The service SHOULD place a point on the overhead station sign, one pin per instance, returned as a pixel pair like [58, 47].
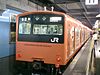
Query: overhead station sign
[91, 2]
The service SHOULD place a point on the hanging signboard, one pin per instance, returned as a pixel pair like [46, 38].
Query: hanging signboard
[91, 2]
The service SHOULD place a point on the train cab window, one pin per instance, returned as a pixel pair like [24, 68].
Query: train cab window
[55, 29]
[48, 29]
[25, 25]
[41, 28]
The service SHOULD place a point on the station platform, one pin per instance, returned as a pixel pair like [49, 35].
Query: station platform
[80, 65]
[87, 61]
[97, 57]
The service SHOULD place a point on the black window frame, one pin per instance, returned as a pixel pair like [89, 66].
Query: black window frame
[40, 37]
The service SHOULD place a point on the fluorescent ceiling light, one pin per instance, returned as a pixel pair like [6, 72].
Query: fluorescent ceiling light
[98, 15]
[91, 2]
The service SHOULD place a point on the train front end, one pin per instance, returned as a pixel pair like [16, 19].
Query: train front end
[40, 38]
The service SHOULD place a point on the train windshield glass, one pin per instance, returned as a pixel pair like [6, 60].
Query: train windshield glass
[41, 27]
[47, 24]
[48, 29]
[25, 25]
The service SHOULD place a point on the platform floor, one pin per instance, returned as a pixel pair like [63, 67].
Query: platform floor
[97, 53]
[6, 63]
[79, 63]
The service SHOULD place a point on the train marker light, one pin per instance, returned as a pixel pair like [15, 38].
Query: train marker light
[19, 55]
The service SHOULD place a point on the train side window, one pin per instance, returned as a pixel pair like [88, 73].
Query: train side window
[77, 36]
[25, 25]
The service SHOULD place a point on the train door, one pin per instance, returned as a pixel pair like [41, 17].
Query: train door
[79, 32]
[68, 35]
[77, 37]
[83, 35]
[80, 36]
[72, 37]
[74, 40]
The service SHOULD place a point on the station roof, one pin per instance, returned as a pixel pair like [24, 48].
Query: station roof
[78, 9]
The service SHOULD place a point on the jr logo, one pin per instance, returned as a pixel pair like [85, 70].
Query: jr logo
[55, 39]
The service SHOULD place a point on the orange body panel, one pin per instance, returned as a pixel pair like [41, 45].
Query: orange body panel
[39, 51]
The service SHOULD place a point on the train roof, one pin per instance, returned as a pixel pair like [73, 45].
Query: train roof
[77, 22]
[51, 12]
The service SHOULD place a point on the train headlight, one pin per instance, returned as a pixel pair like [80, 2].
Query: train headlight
[58, 59]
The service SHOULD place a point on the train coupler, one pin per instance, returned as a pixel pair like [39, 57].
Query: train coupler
[37, 65]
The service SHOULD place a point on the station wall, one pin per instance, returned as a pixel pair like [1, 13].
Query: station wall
[6, 48]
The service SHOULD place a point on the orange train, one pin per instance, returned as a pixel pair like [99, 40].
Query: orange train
[48, 40]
